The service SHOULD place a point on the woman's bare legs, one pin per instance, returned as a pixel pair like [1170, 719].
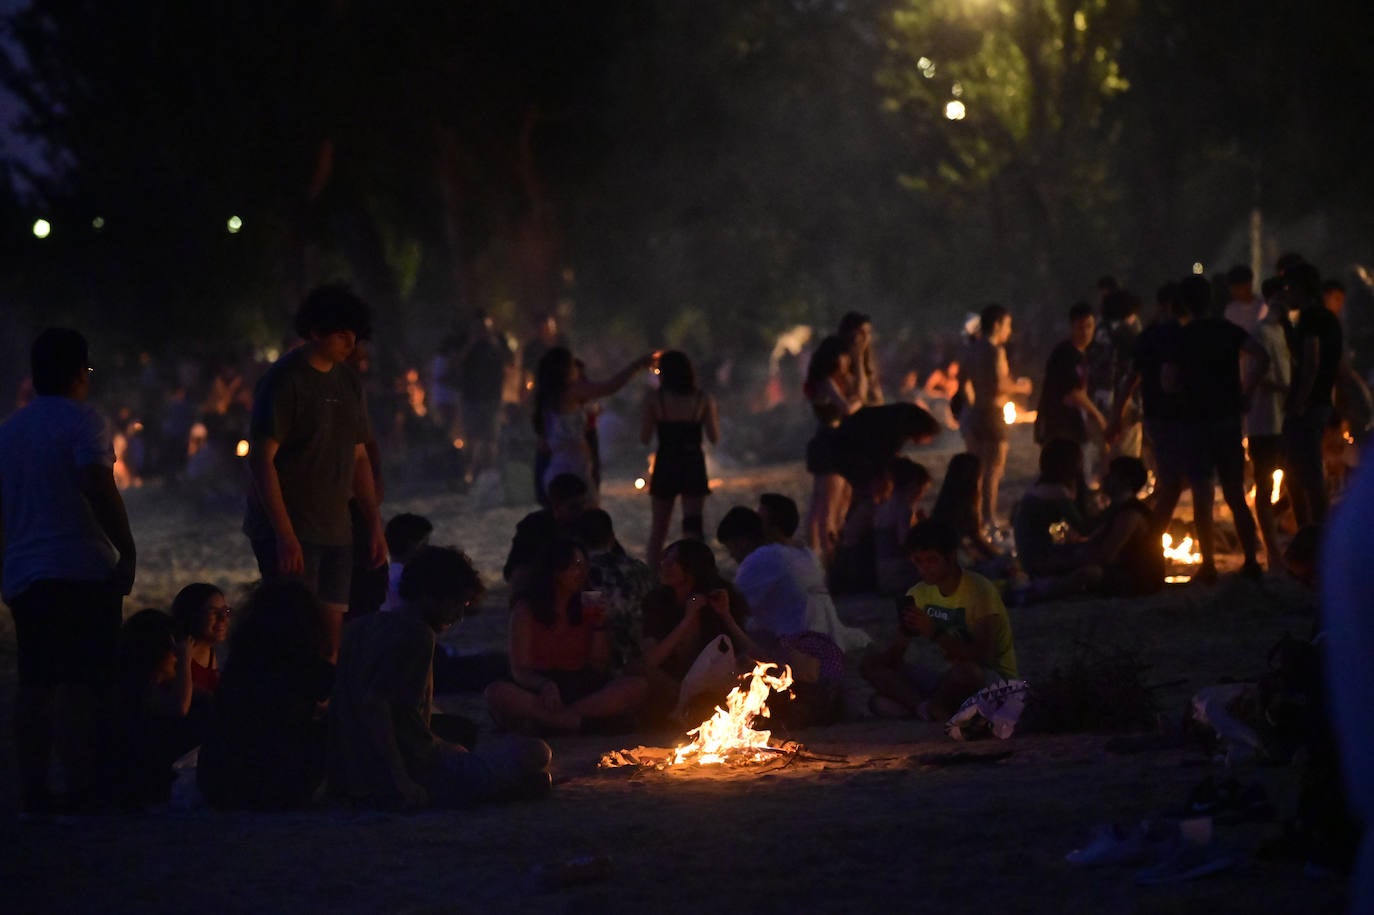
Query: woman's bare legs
[692, 525]
[513, 707]
[658, 529]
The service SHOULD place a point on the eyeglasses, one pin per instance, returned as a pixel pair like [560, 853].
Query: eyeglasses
[220, 613]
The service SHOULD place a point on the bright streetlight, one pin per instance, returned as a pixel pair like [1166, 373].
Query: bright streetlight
[234, 225]
[41, 228]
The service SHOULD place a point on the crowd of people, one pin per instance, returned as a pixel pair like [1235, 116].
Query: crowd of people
[331, 665]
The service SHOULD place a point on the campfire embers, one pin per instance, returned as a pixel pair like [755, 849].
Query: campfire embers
[728, 738]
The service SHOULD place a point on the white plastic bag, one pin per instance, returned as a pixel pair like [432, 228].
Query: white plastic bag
[712, 672]
[994, 709]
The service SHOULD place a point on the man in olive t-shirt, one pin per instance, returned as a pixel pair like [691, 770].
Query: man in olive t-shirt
[308, 456]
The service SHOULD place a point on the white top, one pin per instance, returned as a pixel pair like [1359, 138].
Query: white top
[1266, 409]
[785, 587]
[566, 436]
[1247, 315]
[50, 529]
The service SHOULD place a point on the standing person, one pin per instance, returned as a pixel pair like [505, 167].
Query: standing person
[309, 436]
[1161, 410]
[826, 377]
[69, 559]
[561, 396]
[482, 375]
[985, 430]
[680, 414]
[1117, 339]
[546, 337]
[1245, 309]
[1264, 424]
[1065, 407]
[1206, 373]
[1317, 345]
[856, 335]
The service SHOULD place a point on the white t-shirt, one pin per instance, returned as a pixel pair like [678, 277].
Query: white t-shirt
[1247, 315]
[777, 599]
[785, 587]
[1266, 408]
[50, 530]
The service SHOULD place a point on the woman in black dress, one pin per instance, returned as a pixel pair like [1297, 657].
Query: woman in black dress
[680, 414]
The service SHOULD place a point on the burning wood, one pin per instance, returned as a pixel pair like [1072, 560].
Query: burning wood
[727, 737]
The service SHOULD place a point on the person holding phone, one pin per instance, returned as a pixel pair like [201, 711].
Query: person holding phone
[959, 611]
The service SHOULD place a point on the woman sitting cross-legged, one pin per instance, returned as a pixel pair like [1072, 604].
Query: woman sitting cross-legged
[560, 678]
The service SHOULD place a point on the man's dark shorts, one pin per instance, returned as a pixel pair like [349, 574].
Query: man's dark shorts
[1214, 447]
[1171, 449]
[328, 569]
[66, 632]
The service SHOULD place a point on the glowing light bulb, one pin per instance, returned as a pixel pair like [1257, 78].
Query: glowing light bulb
[41, 228]
[234, 224]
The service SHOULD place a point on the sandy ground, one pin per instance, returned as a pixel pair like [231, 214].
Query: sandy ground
[883, 830]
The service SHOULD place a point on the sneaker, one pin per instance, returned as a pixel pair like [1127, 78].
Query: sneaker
[1186, 861]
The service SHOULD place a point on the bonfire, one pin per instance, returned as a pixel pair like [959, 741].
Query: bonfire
[728, 738]
[728, 735]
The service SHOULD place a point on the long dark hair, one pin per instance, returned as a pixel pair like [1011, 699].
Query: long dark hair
[188, 606]
[550, 382]
[538, 591]
[957, 503]
[277, 630]
[823, 363]
[849, 326]
[676, 374]
[699, 564]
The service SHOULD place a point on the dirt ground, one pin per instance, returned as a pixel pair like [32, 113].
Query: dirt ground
[886, 829]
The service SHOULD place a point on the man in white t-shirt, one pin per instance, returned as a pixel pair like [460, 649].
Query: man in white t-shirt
[1246, 310]
[69, 559]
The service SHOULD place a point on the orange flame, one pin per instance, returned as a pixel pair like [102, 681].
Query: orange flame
[1183, 553]
[727, 734]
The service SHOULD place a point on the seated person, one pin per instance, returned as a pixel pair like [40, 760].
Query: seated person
[683, 617]
[892, 522]
[201, 615]
[962, 614]
[1126, 545]
[537, 531]
[1055, 569]
[622, 580]
[780, 522]
[384, 749]
[560, 654]
[153, 708]
[406, 534]
[959, 504]
[778, 597]
[265, 744]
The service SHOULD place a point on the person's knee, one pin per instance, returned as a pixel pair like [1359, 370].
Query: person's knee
[532, 754]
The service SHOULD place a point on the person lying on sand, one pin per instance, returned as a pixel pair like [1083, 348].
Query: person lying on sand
[384, 750]
[958, 610]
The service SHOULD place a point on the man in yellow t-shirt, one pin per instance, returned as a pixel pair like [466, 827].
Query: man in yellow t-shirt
[962, 613]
